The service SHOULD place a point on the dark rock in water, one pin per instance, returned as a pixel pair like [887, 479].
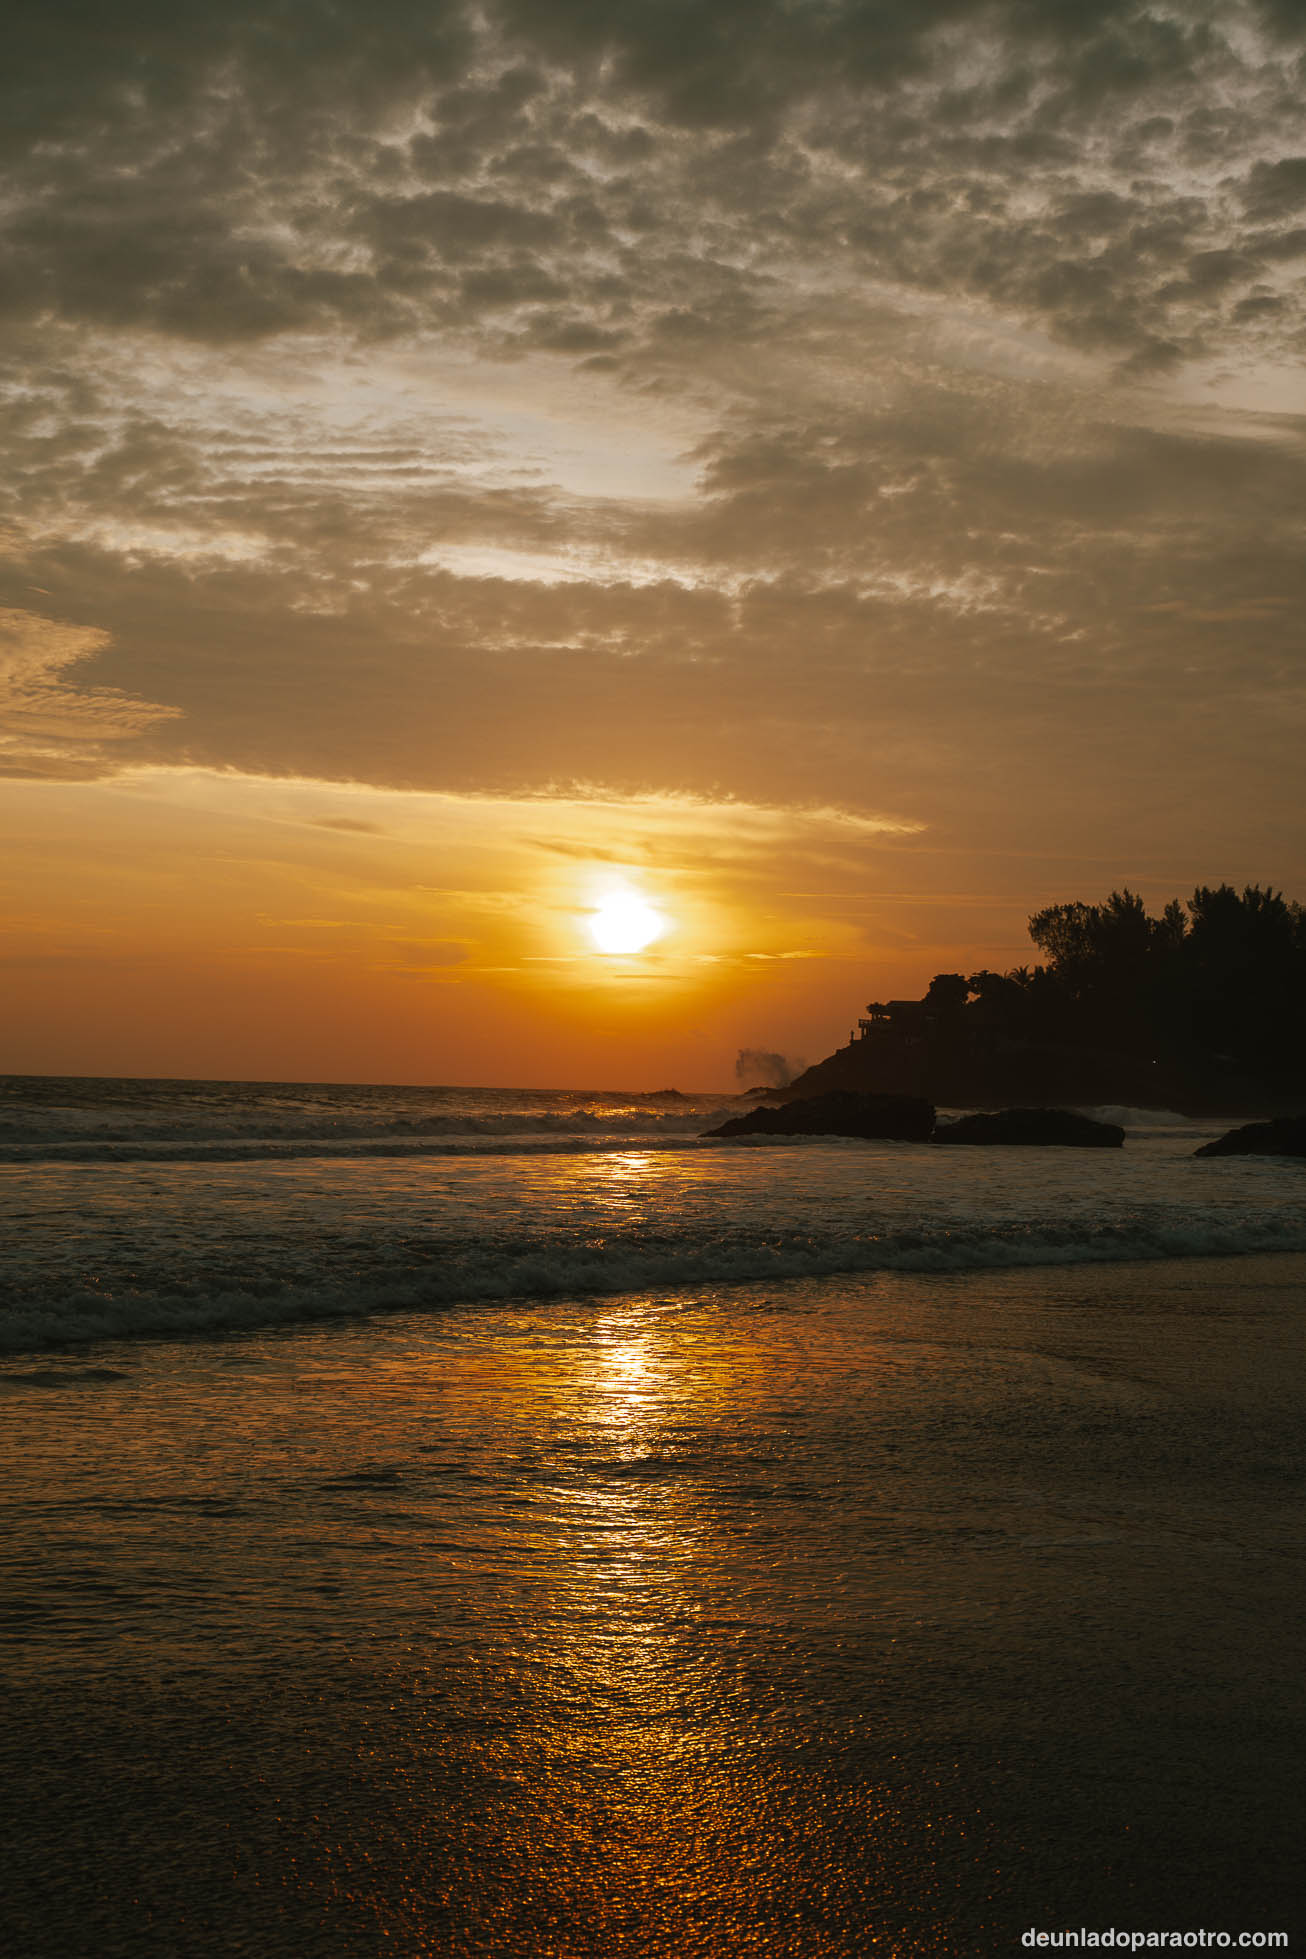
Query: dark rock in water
[1060, 1127]
[897, 1118]
[1285, 1136]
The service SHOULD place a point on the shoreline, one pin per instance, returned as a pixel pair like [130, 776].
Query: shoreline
[234, 1318]
[1280, 1267]
[797, 1621]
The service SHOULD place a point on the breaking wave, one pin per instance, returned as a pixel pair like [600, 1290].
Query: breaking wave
[75, 1143]
[471, 1274]
[573, 1131]
[436, 1136]
[134, 1209]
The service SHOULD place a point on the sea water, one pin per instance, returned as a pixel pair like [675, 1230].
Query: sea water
[131, 1208]
[449, 1522]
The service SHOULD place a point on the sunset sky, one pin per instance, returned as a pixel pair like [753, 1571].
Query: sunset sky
[833, 471]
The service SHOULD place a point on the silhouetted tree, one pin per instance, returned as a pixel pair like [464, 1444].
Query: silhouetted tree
[1225, 978]
[947, 994]
[1246, 976]
[1005, 1000]
[1105, 957]
[1214, 991]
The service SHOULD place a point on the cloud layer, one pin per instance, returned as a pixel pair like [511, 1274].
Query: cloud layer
[877, 403]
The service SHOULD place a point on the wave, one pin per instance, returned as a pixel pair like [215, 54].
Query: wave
[279, 1152]
[555, 1270]
[406, 1136]
[1156, 1121]
[247, 1128]
[576, 1134]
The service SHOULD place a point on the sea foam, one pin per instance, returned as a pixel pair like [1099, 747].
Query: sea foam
[575, 1270]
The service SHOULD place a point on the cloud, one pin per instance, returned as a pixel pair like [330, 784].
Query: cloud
[767, 402]
[422, 955]
[49, 728]
[644, 178]
[1278, 189]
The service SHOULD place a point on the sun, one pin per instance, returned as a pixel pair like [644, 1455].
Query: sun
[625, 922]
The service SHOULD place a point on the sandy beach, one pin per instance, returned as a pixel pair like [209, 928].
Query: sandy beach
[901, 1613]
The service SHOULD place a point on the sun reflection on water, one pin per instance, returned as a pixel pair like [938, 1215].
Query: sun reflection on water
[670, 1805]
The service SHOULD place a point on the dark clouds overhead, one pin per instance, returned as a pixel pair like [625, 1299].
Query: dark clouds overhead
[570, 173]
[826, 393]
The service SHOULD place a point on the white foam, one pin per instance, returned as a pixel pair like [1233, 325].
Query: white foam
[1156, 1121]
[575, 1270]
[424, 1135]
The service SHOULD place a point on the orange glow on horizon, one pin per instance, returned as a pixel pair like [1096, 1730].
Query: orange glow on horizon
[194, 923]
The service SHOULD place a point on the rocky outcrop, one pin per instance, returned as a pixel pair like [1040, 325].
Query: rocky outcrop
[1059, 1128]
[895, 1118]
[1285, 1136]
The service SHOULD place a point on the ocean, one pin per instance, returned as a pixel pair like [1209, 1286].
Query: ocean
[146, 1207]
[449, 1521]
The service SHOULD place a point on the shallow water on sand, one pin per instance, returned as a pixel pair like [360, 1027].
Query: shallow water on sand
[898, 1613]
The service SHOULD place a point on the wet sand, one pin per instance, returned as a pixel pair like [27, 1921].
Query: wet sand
[898, 1614]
